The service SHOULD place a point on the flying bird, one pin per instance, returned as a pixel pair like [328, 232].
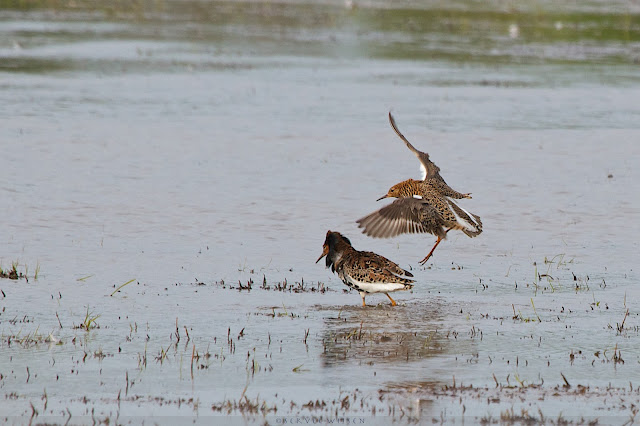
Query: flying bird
[435, 213]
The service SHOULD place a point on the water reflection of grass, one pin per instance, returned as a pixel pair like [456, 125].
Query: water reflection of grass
[461, 32]
[32, 65]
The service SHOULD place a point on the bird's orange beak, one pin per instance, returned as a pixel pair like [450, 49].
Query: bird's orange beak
[383, 197]
[325, 251]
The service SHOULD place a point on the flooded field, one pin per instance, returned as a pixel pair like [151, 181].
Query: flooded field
[170, 170]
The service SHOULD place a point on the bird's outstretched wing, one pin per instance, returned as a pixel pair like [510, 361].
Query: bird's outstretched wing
[403, 216]
[429, 169]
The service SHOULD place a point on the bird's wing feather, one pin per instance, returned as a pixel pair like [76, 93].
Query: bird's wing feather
[428, 168]
[405, 215]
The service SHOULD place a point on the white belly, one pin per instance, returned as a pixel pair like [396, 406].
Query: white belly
[375, 287]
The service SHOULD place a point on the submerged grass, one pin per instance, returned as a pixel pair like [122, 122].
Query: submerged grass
[28, 339]
[556, 279]
[282, 286]
[13, 273]
[89, 321]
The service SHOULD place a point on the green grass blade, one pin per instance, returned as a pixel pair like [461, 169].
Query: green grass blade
[118, 289]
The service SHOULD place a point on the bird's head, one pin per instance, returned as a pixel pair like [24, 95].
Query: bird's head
[398, 190]
[334, 246]
[325, 248]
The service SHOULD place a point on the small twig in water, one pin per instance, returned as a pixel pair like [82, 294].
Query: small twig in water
[620, 327]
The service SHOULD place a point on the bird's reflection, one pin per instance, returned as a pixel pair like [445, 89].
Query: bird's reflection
[383, 333]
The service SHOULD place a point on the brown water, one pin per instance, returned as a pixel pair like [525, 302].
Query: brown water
[193, 146]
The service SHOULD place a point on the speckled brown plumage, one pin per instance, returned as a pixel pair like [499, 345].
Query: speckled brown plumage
[364, 271]
[436, 213]
[449, 214]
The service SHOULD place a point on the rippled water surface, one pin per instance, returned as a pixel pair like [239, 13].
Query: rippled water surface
[203, 149]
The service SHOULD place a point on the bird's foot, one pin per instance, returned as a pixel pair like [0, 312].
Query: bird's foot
[393, 302]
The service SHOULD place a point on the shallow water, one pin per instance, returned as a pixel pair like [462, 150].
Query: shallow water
[192, 147]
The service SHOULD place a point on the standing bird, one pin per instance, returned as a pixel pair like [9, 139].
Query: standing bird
[434, 212]
[363, 271]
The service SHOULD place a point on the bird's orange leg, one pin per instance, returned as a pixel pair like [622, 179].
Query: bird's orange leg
[362, 294]
[393, 302]
[423, 261]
